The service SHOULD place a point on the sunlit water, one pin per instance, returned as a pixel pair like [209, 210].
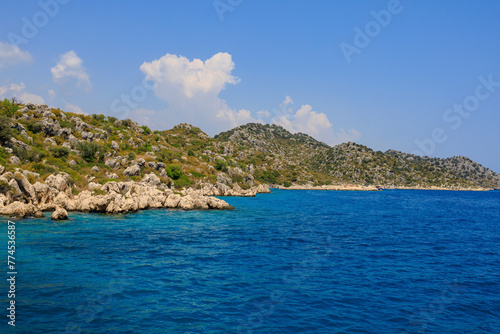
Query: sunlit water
[285, 262]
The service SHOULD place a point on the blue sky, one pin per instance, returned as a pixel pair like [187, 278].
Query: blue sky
[415, 76]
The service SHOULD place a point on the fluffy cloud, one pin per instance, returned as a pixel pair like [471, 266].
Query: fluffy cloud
[74, 109]
[18, 90]
[70, 69]
[33, 98]
[12, 55]
[190, 78]
[315, 124]
[191, 88]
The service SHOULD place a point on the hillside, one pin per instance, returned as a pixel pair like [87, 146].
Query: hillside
[99, 155]
[300, 158]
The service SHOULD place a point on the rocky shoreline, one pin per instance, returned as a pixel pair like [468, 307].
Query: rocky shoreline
[353, 187]
[31, 200]
[330, 187]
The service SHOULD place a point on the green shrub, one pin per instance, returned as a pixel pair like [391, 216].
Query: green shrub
[6, 132]
[127, 123]
[43, 169]
[59, 152]
[33, 155]
[131, 156]
[88, 151]
[287, 184]
[66, 124]
[99, 118]
[34, 127]
[190, 152]
[198, 175]
[221, 165]
[4, 187]
[8, 107]
[146, 147]
[147, 130]
[174, 172]
[112, 119]
[182, 181]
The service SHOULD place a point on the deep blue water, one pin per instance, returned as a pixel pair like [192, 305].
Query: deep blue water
[286, 262]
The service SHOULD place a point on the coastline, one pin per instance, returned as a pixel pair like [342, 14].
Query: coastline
[374, 188]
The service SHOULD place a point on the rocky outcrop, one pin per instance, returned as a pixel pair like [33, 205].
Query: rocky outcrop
[132, 171]
[59, 214]
[113, 163]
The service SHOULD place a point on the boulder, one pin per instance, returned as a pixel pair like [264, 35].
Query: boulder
[87, 135]
[113, 163]
[151, 180]
[59, 181]
[114, 145]
[50, 126]
[59, 214]
[14, 160]
[132, 171]
[25, 187]
[64, 132]
[18, 209]
[50, 141]
[95, 169]
[39, 214]
[110, 175]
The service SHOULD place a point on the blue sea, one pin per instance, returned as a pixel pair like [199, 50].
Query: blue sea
[392, 261]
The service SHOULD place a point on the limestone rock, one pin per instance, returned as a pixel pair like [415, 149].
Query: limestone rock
[59, 214]
[151, 179]
[132, 171]
[113, 163]
[59, 181]
[114, 145]
[14, 160]
[95, 169]
[19, 210]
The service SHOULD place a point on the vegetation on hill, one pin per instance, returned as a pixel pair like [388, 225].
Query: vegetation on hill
[98, 148]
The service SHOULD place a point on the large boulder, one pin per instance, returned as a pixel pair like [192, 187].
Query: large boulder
[59, 214]
[20, 210]
[151, 180]
[50, 126]
[25, 187]
[59, 181]
[14, 160]
[132, 171]
[113, 163]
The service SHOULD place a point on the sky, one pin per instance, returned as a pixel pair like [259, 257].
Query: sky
[417, 76]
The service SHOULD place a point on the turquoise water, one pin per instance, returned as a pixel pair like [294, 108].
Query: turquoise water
[285, 262]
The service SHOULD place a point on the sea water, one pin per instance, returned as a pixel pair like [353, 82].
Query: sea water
[287, 262]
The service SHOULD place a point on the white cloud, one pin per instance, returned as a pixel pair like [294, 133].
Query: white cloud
[263, 114]
[315, 124]
[18, 90]
[191, 88]
[33, 98]
[70, 69]
[190, 77]
[12, 55]
[288, 100]
[74, 109]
